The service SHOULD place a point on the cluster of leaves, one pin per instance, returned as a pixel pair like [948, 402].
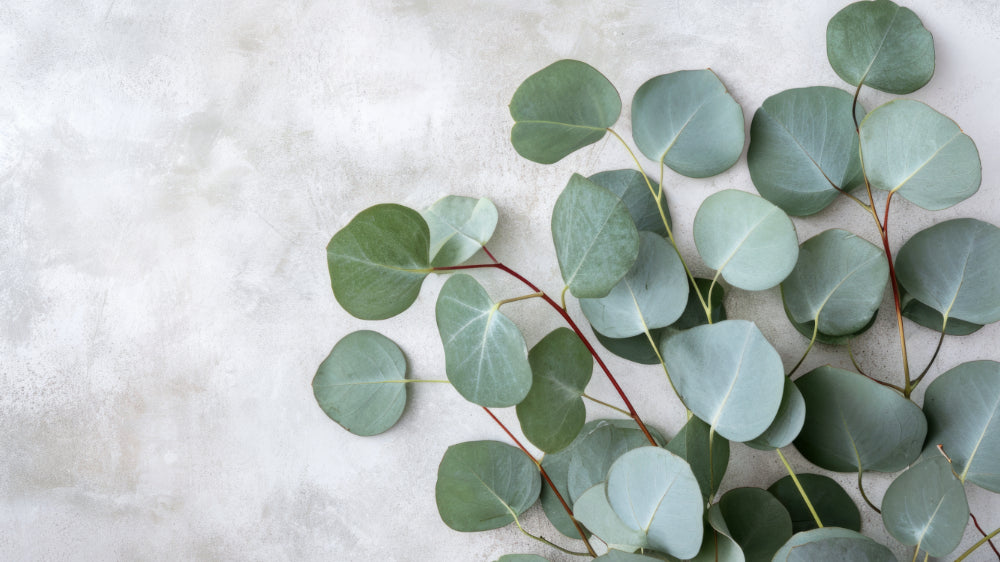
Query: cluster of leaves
[646, 497]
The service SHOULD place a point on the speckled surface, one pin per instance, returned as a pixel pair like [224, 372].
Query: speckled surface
[169, 179]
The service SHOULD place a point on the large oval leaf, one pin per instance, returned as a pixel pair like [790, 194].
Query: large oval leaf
[379, 260]
[361, 384]
[459, 227]
[803, 147]
[594, 511]
[560, 109]
[963, 416]
[909, 148]
[728, 375]
[853, 423]
[746, 239]
[787, 423]
[926, 507]
[707, 455]
[486, 358]
[951, 267]
[833, 505]
[630, 186]
[756, 521]
[881, 45]
[832, 543]
[484, 485]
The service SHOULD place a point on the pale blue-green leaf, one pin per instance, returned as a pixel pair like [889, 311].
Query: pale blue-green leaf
[619, 556]
[631, 187]
[832, 544]
[787, 424]
[807, 329]
[595, 513]
[926, 507]
[756, 521]
[833, 505]
[692, 444]
[717, 545]
[930, 318]
[459, 227]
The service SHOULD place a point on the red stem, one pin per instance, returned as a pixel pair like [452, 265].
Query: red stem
[976, 523]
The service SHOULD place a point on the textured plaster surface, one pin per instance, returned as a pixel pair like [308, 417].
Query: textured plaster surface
[170, 174]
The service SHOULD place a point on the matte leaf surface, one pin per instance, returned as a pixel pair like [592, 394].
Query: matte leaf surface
[619, 556]
[717, 545]
[595, 513]
[930, 318]
[787, 424]
[631, 188]
[756, 521]
[833, 505]
[832, 543]
[459, 227]
[692, 444]
[926, 507]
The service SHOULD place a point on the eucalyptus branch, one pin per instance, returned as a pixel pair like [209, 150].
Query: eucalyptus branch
[978, 544]
[983, 533]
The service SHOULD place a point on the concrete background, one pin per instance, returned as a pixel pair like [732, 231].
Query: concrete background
[171, 174]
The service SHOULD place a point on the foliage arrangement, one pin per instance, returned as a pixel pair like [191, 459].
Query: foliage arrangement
[643, 496]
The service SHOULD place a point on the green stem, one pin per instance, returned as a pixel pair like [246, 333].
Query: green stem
[937, 349]
[864, 496]
[603, 403]
[545, 540]
[798, 485]
[808, 349]
[916, 552]
[981, 542]
[537, 295]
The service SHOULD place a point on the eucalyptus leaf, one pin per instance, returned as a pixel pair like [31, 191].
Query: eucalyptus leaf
[619, 556]
[756, 521]
[832, 543]
[718, 546]
[361, 384]
[833, 505]
[926, 507]
[486, 358]
[746, 239]
[560, 109]
[379, 260]
[459, 227]
[930, 318]
[807, 329]
[787, 424]
[708, 456]
[630, 186]
[636, 348]
[595, 513]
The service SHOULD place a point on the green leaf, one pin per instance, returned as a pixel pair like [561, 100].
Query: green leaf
[594, 511]
[787, 424]
[853, 423]
[963, 416]
[688, 121]
[926, 507]
[728, 375]
[803, 147]
[692, 444]
[595, 238]
[716, 544]
[619, 556]
[909, 148]
[833, 505]
[636, 348]
[807, 328]
[552, 414]
[560, 109]
[951, 267]
[484, 485]
[459, 227]
[486, 358]
[630, 186]
[838, 282]
[652, 490]
[881, 45]
[653, 293]
[832, 543]
[756, 521]
[746, 239]
[360, 384]
[930, 318]
[379, 260]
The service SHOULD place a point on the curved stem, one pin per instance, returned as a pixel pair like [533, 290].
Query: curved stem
[854, 361]
[544, 540]
[864, 496]
[977, 545]
[798, 485]
[520, 298]
[982, 532]
[937, 349]
[808, 349]
[603, 403]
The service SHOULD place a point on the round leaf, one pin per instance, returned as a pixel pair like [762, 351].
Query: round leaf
[930, 318]
[833, 505]
[717, 546]
[881, 45]
[630, 186]
[808, 330]
[688, 121]
[486, 358]
[636, 348]
[484, 485]
[360, 385]
[787, 424]
[560, 109]
[459, 227]
[594, 512]
[832, 543]
[379, 260]
[756, 521]
[746, 239]
[692, 444]
[926, 506]
[728, 375]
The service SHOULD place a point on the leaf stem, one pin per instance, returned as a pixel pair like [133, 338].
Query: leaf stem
[977, 545]
[603, 403]
[798, 485]
[520, 298]
[916, 552]
[937, 349]
[982, 532]
[542, 539]
[812, 341]
[864, 496]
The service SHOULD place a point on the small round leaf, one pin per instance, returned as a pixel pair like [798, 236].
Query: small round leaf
[832, 543]
[594, 511]
[459, 227]
[926, 507]
[833, 505]
[630, 186]
[756, 521]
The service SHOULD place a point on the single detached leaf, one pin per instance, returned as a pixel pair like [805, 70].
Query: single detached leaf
[459, 227]
[746, 239]
[838, 283]
[756, 521]
[560, 109]
[360, 385]
[486, 358]
[951, 267]
[595, 513]
[379, 260]
[552, 414]
[909, 148]
[963, 416]
[692, 443]
[728, 375]
[930, 318]
[926, 507]
[853, 423]
[595, 238]
[881, 45]
[803, 148]
[630, 186]
[688, 121]
[787, 424]
[832, 543]
[833, 505]
[484, 485]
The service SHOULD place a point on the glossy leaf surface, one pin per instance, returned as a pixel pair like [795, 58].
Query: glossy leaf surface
[787, 423]
[833, 505]
[631, 188]
[459, 227]
[692, 444]
[756, 521]
[832, 543]
[926, 507]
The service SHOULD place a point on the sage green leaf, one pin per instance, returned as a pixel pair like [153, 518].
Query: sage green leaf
[853, 423]
[595, 513]
[808, 328]
[522, 558]
[484, 485]
[653, 293]
[930, 318]
[963, 416]
[653, 491]
[909, 148]
[459, 227]
[787, 424]
[619, 556]
[728, 375]
[756, 521]
[486, 358]
[833, 505]
[552, 414]
[746, 239]
[360, 385]
[692, 444]
[595, 238]
[838, 282]
[803, 148]
[951, 267]
[630, 186]
[636, 348]
[560, 109]
[379, 260]
[926, 507]
[688, 121]
[717, 545]
[832, 543]
[881, 45]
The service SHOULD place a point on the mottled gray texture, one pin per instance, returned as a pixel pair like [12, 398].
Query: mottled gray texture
[170, 175]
